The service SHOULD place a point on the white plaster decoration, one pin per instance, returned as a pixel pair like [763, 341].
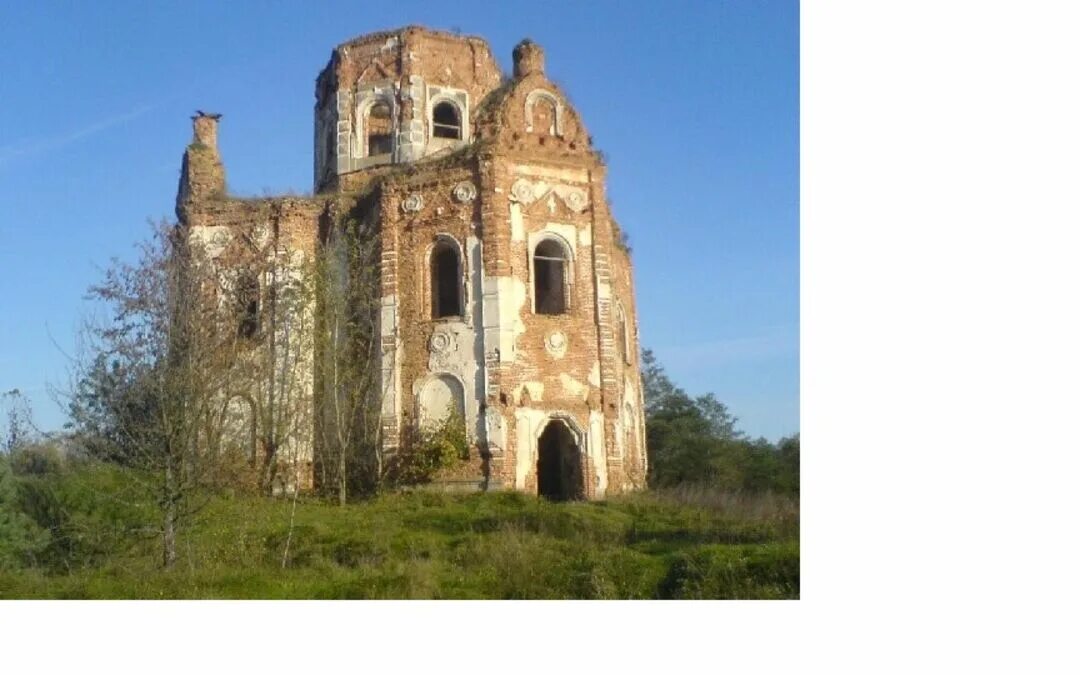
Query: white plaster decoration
[563, 174]
[464, 192]
[530, 102]
[596, 453]
[555, 344]
[563, 233]
[442, 343]
[575, 199]
[496, 431]
[581, 440]
[210, 240]
[444, 347]
[411, 135]
[522, 191]
[366, 97]
[527, 192]
[459, 98]
[389, 343]
[439, 395]
[412, 203]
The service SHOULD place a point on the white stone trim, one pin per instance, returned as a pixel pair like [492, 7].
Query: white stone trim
[436, 94]
[366, 98]
[530, 102]
[463, 278]
[553, 234]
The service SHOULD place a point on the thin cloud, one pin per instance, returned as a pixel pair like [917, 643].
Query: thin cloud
[35, 146]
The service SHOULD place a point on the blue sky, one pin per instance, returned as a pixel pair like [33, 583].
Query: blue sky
[696, 106]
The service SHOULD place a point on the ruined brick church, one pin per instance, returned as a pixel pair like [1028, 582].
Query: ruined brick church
[505, 288]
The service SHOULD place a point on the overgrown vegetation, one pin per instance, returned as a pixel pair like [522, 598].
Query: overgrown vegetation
[430, 450]
[153, 493]
[666, 544]
[349, 401]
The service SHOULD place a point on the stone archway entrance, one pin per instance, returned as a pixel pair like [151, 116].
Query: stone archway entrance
[558, 468]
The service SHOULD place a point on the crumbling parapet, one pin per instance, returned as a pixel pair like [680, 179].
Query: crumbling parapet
[528, 58]
[202, 175]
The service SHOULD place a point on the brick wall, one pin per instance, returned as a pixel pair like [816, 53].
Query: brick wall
[526, 174]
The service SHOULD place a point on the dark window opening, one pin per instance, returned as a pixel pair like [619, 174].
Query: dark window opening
[446, 122]
[379, 132]
[247, 305]
[549, 267]
[558, 467]
[445, 281]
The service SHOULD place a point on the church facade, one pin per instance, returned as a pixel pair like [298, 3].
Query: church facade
[504, 288]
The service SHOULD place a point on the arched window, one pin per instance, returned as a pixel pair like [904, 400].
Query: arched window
[445, 280]
[446, 121]
[247, 305]
[543, 113]
[378, 127]
[550, 277]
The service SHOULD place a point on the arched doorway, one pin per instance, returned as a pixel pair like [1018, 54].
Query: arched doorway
[558, 467]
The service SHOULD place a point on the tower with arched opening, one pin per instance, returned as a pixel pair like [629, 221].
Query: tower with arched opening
[504, 285]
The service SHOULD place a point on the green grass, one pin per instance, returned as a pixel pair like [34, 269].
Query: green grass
[435, 545]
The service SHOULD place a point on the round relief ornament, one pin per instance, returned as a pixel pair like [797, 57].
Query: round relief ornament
[522, 191]
[556, 343]
[465, 192]
[413, 203]
[575, 199]
[441, 343]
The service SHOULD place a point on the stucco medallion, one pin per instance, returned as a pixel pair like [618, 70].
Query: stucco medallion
[443, 348]
[575, 199]
[465, 192]
[413, 203]
[441, 343]
[555, 344]
[522, 190]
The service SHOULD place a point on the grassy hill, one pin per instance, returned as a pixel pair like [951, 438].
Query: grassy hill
[680, 544]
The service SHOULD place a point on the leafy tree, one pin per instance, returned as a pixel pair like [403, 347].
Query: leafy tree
[689, 440]
[347, 344]
[658, 387]
[788, 460]
[108, 398]
[695, 440]
[19, 421]
[149, 395]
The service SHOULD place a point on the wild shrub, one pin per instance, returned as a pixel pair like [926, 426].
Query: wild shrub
[37, 459]
[429, 450]
[88, 514]
[21, 540]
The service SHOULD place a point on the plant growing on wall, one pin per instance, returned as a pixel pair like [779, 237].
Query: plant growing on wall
[430, 449]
